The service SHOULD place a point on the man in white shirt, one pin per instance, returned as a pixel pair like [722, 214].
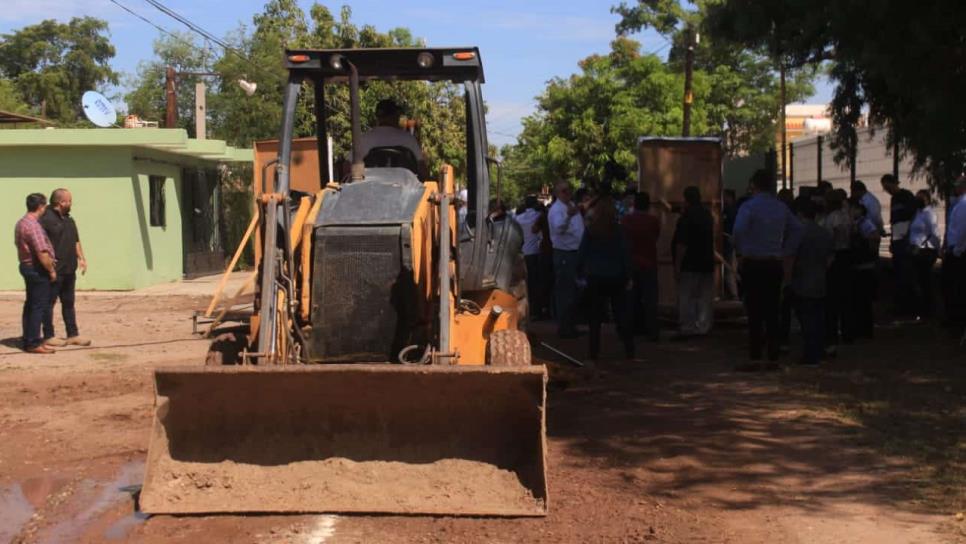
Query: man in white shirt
[532, 237]
[566, 231]
[954, 260]
[387, 133]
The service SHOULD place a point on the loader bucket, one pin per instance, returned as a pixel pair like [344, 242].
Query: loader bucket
[373, 438]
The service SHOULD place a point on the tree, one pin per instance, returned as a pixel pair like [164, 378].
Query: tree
[242, 119]
[586, 127]
[745, 93]
[147, 98]
[900, 60]
[590, 120]
[10, 99]
[52, 64]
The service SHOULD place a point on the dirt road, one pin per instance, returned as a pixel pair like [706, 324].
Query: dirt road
[676, 448]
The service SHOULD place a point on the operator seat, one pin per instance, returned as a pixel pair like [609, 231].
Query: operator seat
[392, 157]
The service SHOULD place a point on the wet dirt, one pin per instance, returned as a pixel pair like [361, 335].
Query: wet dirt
[15, 511]
[675, 448]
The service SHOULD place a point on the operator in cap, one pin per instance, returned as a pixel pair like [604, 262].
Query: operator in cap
[387, 133]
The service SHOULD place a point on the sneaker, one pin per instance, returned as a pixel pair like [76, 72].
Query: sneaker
[41, 349]
[78, 341]
[55, 342]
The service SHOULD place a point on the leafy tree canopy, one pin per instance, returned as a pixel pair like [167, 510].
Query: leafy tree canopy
[586, 126]
[52, 64]
[900, 60]
[240, 119]
[10, 99]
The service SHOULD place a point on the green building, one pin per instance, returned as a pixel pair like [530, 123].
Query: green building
[146, 201]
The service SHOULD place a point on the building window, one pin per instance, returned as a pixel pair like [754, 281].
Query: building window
[156, 186]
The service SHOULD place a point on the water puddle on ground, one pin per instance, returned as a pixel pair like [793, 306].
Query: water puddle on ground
[15, 511]
[122, 526]
[101, 497]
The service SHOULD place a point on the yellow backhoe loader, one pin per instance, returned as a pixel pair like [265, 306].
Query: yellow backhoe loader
[384, 369]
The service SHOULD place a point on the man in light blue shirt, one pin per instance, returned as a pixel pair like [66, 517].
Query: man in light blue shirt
[873, 208]
[766, 238]
[954, 260]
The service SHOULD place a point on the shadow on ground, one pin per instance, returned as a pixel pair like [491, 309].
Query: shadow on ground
[879, 425]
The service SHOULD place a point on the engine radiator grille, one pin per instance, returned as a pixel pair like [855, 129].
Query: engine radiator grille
[359, 294]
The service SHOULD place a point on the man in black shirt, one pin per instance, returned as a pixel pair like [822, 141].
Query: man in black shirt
[693, 249]
[902, 210]
[63, 235]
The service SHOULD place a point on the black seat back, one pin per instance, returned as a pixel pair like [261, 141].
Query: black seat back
[392, 157]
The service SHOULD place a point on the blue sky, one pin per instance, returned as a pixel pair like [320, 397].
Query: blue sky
[523, 43]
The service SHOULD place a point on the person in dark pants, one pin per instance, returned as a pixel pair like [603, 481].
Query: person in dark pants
[838, 305]
[692, 248]
[603, 260]
[902, 210]
[62, 232]
[729, 208]
[787, 197]
[642, 229]
[566, 230]
[864, 249]
[528, 220]
[37, 266]
[545, 262]
[924, 246]
[809, 278]
[954, 260]
[766, 239]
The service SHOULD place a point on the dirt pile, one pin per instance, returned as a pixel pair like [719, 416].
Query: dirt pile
[339, 485]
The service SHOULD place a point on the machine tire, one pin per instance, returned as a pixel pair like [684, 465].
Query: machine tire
[226, 348]
[508, 348]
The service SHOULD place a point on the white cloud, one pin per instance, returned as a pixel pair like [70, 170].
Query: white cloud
[557, 27]
[503, 120]
[554, 26]
[26, 12]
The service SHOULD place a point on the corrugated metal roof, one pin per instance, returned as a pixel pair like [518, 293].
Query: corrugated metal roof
[9, 117]
[162, 139]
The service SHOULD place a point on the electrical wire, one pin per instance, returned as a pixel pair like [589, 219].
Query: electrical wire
[152, 23]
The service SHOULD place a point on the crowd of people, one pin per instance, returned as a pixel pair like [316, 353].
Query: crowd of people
[50, 254]
[592, 255]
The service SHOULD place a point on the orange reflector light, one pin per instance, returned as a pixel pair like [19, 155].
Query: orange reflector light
[464, 55]
[298, 58]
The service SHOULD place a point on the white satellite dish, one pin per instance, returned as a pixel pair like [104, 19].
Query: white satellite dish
[98, 109]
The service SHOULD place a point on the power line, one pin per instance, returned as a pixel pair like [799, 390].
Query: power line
[205, 34]
[193, 27]
[152, 23]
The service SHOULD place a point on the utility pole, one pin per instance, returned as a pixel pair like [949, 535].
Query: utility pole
[171, 98]
[688, 69]
[201, 107]
[781, 71]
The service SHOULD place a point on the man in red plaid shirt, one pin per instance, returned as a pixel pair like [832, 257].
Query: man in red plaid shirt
[37, 261]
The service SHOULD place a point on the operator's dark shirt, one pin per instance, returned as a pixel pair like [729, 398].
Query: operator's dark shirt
[63, 235]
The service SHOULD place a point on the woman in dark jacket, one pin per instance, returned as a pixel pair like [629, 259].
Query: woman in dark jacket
[603, 260]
